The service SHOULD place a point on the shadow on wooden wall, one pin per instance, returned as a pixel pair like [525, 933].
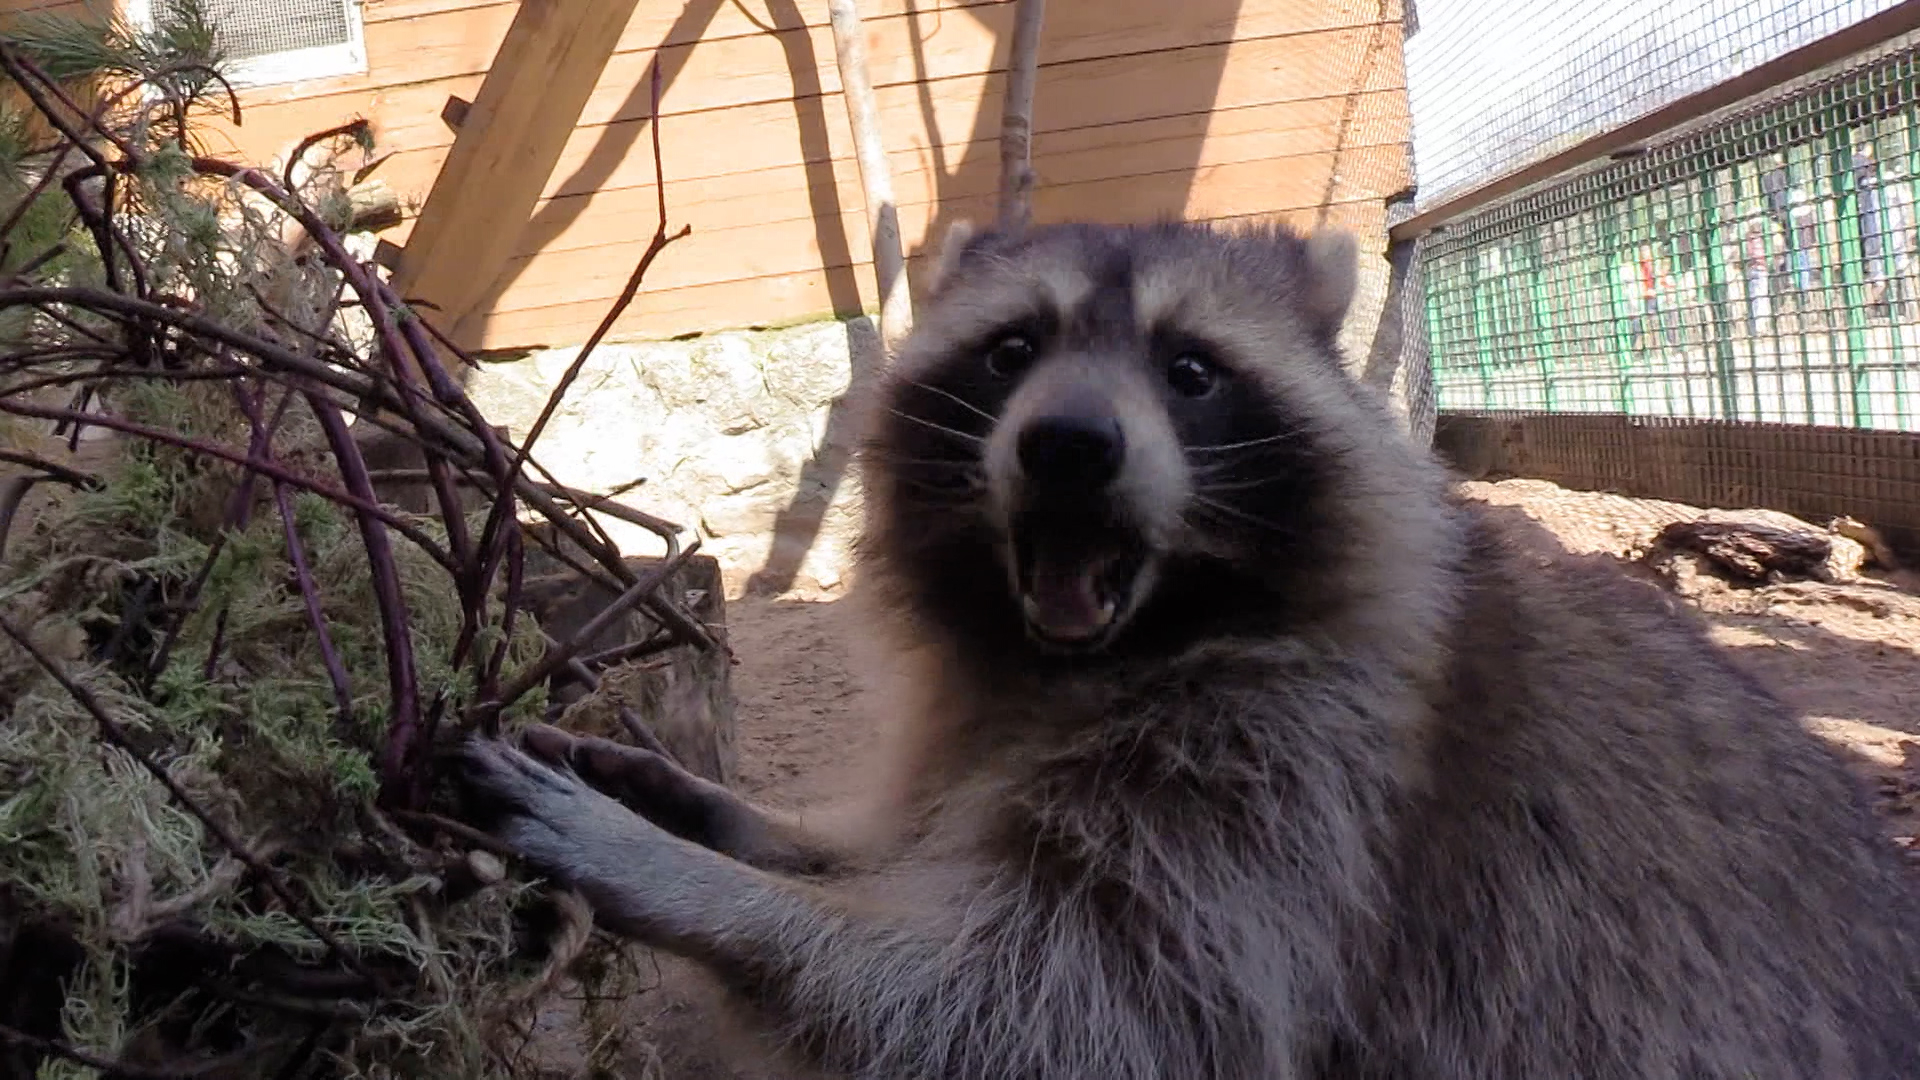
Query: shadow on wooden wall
[957, 170]
[962, 172]
[618, 143]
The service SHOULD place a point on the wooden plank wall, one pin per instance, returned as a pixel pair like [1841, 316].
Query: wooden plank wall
[1216, 109]
[86, 94]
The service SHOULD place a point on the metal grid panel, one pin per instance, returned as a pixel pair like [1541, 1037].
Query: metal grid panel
[248, 29]
[1498, 84]
[1763, 267]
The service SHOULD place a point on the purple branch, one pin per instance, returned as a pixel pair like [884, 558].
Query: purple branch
[262, 450]
[405, 740]
[239, 512]
[391, 347]
[510, 603]
[362, 504]
[310, 593]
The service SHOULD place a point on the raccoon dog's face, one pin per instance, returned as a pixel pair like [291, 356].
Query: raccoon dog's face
[1102, 438]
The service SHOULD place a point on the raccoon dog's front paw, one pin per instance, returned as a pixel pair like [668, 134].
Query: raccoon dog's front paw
[646, 783]
[553, 818]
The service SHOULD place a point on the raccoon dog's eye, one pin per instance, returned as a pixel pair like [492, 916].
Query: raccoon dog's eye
[1192, 375]
[1009, 356]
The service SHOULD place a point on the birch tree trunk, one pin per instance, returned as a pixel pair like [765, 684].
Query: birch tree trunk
[1016, 120]
[876, 178]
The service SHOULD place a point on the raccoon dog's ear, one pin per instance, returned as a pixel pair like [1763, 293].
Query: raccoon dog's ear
[960, 236]
[1332, 274]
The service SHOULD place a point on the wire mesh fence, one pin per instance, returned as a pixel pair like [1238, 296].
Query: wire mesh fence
[1497, 84]
[1761, 267]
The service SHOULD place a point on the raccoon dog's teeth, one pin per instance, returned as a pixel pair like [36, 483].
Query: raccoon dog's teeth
[1074, 584]
[1069, 600]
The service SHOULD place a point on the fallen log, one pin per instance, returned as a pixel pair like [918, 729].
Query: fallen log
[1746, 551]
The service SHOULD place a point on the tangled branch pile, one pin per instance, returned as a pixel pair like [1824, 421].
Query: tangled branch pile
[226, 659]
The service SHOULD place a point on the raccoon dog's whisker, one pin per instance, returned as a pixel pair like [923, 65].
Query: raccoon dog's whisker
[931, 491]
[942, 428]
[1237, 485]
[955, 398]
[1290, 433]
[1239, 462]
[1218, 507]
[956, 464]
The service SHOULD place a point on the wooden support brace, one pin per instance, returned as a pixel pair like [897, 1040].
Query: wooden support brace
[510, 139]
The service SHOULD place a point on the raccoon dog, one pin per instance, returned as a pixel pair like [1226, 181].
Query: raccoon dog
[1239, 749]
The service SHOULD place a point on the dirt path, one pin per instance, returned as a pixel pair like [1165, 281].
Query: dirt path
[798, 699]
[1847, 655]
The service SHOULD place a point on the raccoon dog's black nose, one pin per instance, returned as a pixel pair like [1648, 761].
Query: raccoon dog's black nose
[1072, 451]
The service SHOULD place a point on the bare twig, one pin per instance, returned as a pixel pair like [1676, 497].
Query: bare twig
[358, 503]
[310, 597]
[654, 247]
[643, 735]
[445, 342]
[353, 129]
[26, 269]
[50, 470]
[239, 512]
[466, 834]
[585, 500]
[572, 647]
[56, 106]
[510, 614]
[632, 650]
[279, 359]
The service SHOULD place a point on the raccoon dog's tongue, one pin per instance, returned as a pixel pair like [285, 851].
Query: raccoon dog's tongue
[1064, 599]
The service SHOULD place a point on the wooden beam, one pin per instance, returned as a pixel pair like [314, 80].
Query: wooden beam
[508, 143]
[1874, 30]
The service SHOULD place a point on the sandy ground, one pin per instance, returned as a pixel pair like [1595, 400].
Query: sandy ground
[802, 728]
[1846, 654]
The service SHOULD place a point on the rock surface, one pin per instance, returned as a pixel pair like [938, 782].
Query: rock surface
[744, 437]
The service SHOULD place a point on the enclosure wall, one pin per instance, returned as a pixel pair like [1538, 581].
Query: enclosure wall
[1818, 473]
[1760, 266]
[1211, 109]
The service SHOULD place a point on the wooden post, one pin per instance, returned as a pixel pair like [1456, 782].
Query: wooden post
[876, 177]
[1016, 118]
[509, 141]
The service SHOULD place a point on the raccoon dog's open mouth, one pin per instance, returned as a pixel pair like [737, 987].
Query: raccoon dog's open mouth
[1076, 580]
